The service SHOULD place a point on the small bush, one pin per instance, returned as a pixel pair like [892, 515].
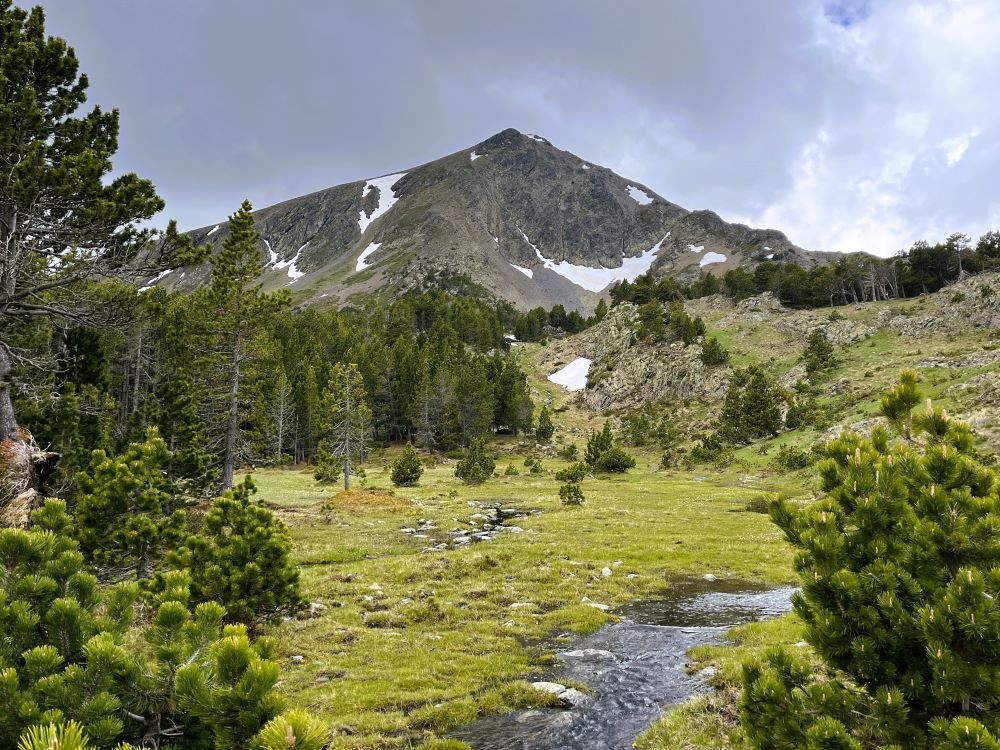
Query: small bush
[407, 469]
[712, 352]
[478, 464]
[757, 504]
[569, 452]
[570, 493]
[615, 461]
[511, 471]
[790, 458]
[573, 473]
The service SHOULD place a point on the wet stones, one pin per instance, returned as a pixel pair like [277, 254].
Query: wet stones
[569, 697]
[482, 526]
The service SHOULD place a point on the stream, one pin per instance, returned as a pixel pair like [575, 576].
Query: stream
[633, 669]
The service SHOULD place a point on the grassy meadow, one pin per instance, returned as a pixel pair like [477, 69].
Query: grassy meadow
[408, 644]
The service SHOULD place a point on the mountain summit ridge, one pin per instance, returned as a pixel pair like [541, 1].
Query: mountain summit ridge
[512, 217]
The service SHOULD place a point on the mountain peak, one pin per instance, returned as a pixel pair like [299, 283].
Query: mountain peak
[514, 218]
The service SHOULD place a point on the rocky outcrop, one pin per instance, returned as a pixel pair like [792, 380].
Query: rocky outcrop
[24, 470]
[627, 372]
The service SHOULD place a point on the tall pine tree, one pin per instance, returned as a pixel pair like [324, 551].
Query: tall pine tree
[229, 315]
[345, 424]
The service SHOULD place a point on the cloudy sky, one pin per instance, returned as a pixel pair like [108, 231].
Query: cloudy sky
[848, 124]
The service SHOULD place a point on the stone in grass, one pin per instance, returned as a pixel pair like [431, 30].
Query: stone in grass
[606, 572]
[595, 605]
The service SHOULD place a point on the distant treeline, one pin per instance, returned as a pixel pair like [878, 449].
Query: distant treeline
[854, 278]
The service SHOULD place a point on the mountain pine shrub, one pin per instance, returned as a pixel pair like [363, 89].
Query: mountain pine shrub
[240, 558]
[478, 464]
[900, 568]
[544, 428]
[406, 469]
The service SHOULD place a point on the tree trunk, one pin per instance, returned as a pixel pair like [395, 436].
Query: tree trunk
[229, 450]
[8, 423]
[347, 475]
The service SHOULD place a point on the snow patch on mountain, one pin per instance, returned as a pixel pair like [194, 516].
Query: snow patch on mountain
[366, 253]
[572, 377]
[639, 195]
[709, 258]
[386, 197]
[292, 265]
[526, 271]
[595, 279]
[696, 248]
[272, 257]
[153, 281]
[212, 231]
[473, 156]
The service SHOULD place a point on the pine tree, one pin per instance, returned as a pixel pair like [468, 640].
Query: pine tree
[406, 469]
[545, 428]
[127, 509]
[761, 410]
[601, 311]
[712, 352]
[228, 316]
[651, 325]
[345, 423]
[899, 402]
[899, 596]
[751, 409]
[57, 199]
[474, 399]
[818, 354]
[477, 465]
[597, 444]
[240, 558]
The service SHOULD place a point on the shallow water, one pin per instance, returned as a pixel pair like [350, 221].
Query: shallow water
[633, 669]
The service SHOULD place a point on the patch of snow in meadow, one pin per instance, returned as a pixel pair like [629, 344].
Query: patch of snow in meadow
[696, 248]
[386, 197]
[769, 256]
[363, 258]
[639, 195]
[526, 271]
[595, 279]
[572, 377]
[212, 231]
[709, 258]
[473, 156]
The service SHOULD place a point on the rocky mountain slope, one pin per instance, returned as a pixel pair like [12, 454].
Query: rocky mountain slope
[951, 338]
[513, 217]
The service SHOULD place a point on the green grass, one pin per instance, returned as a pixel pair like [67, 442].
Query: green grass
[412, 644]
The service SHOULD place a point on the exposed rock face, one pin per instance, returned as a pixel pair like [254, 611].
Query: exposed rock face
[25, 469]
[626, 372]
[463, 222]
